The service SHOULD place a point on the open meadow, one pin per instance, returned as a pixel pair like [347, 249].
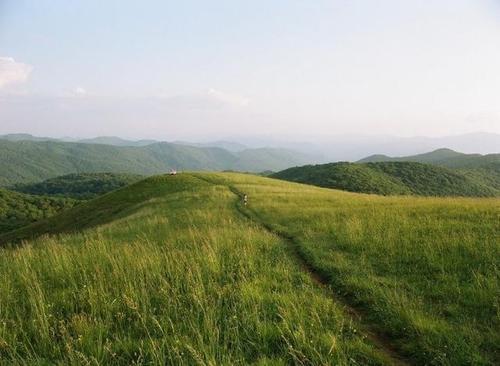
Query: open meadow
[425, 270]
[175, 270]
[176, 276]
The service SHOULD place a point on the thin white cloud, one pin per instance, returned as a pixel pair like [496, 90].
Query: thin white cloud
[226, 98]
[79, 91]
[12, 72]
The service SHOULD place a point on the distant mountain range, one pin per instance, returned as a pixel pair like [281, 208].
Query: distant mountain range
[443, 172]
[25, 137]
[443, 157]
[25, 161]
[321, 149]
[101, 140]
[228, 145]
[118, 141]
[355, 147]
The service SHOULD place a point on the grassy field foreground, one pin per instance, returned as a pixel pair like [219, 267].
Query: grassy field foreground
[169, 272]
[174, 276]
[425, 270]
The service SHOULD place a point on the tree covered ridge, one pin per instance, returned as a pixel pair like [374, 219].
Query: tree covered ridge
[395, 178]
[28, 203]
[17, 209]
[79, 186]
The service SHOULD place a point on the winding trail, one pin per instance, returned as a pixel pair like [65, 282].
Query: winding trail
[381, 341]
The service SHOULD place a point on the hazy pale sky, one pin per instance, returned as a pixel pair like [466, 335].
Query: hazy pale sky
[194, 69]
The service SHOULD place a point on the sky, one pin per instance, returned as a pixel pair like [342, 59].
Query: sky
[211, 69]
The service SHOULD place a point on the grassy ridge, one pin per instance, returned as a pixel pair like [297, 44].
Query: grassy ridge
[425, 270]
[174, 277]
[18, 210]
[395, 178]
[79, 186]
[167, 272]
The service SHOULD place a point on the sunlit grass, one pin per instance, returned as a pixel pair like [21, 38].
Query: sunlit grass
[168, 272]
[426, 270]
[180, 279]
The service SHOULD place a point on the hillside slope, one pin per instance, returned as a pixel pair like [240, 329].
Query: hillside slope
[346, 176]
[33, 161]
[79, 186]
[391, 178]
[167, 273]
[424, 269]
[165, 264]
[18, 210]
[483, 169]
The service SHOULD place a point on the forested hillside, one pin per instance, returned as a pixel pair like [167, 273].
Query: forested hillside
[392, 178]
[34, 161]
[80, 186]
[17, 209]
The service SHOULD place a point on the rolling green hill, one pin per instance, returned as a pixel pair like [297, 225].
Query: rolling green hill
[167, 273]
[175, 270]
[392, 178]
[346, 176]
[17, 209]
[483, 169]
[34, 161]
[79, 186]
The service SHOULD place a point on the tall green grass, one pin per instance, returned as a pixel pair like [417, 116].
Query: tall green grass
[166, 273]
[426, 270]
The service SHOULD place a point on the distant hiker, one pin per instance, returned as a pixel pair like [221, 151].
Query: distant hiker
[245, 199]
